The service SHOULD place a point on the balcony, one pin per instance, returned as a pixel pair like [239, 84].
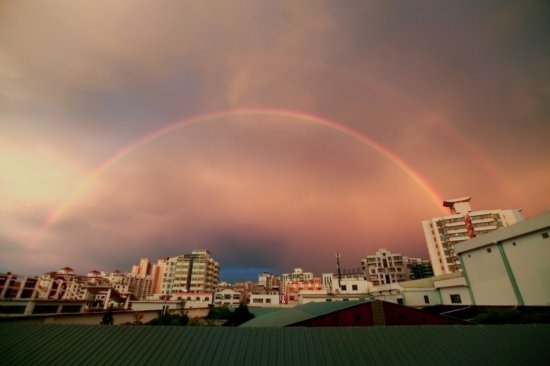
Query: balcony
[485, 228]
[452, 224]
[457, 231]
[482, 221]
[458, 238]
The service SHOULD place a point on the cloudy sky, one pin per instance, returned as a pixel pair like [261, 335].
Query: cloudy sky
[273, 133]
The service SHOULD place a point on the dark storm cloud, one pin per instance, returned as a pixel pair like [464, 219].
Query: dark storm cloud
[240, 247]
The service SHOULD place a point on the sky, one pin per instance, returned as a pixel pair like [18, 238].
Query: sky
[272, 133]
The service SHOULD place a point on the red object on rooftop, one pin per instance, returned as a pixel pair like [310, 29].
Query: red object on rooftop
[469, 226]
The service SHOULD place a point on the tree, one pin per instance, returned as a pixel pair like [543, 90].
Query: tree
[240, 315]
[217, 313]
[172, 319]
[108, 317]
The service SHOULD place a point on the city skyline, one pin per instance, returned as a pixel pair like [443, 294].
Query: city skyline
[273, 135]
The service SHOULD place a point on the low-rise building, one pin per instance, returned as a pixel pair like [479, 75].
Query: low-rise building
[448, 289]
[264, 300]
[228, 297]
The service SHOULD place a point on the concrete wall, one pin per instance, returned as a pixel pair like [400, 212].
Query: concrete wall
[529, 260]
[261, 300]
[88, 318]
[488, 278]
[415, 297]
[453, 286]
[192, 309]
[463, 292]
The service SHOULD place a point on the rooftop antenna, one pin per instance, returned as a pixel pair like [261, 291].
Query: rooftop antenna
[339, 270]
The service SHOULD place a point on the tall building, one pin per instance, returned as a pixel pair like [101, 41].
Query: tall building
[419, 268]
[269, 281]
[157, 272]
[385, 267]
[143, 269]
[195, 272]
[442, 233]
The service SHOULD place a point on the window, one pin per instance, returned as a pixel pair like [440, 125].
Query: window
[354, 287]
[343, 287]
[268, 301]
[489, 250]
[400, 301]
[545, 235]
[455, 299]
[426, 299]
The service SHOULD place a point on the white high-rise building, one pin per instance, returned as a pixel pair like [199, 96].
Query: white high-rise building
[442, 233]
[385, 267]
[195, 272]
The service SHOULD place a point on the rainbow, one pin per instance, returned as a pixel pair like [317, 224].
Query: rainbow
[59, 211]
[442, 125]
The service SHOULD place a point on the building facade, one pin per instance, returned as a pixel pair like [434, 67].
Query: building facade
[419, 268]
[510, 266]
[195, 272]
[269, 281]
[18, 287]
[385, 267]
[228, 297]
[443, 233]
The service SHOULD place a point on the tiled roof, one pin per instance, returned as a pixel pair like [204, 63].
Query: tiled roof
[29, 344]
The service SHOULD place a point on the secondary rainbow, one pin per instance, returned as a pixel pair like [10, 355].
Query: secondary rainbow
[56, 214]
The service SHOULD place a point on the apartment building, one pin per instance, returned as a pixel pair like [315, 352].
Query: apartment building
[443, 233]
[385, 267]
[188, 273]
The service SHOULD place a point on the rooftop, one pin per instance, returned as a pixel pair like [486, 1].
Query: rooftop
[287, 316]
[27, 344]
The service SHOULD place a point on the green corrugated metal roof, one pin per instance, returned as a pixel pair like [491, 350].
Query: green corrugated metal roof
[287, 316]
[30, 344]
[259, 311]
